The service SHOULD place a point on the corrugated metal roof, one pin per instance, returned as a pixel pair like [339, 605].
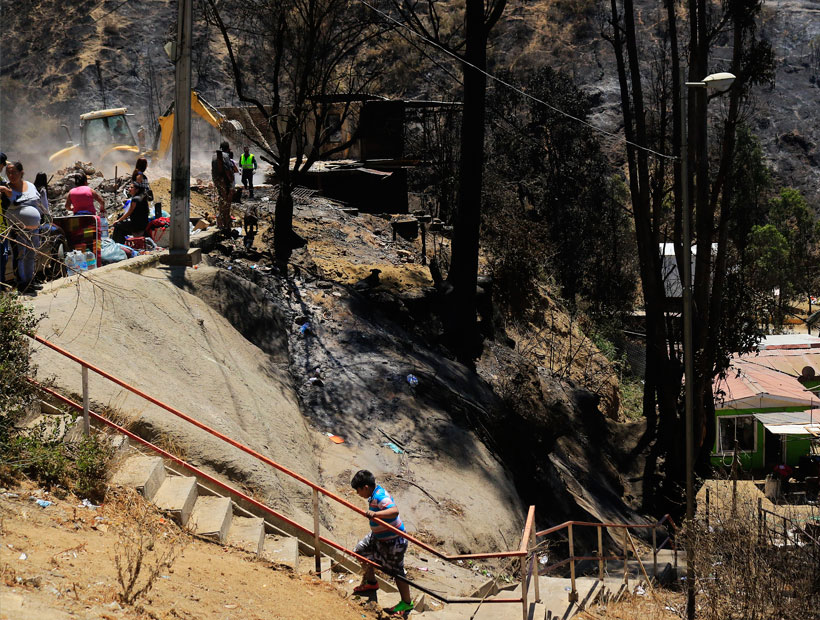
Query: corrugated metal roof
[793, 429]
[789, 417]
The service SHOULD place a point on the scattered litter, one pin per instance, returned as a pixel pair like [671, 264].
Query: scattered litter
[413, 380]
[87, 504]
[10, 546]
[316, 381]
[10, 495]
[42, 503]
[460, 562]
[335, 438]
[266, 199]
[253, 266]
[394, 447]
[424, 568]
[165, 576]
[230, 606]
[544, 559]
[640, 591]
[304, 329]
[568, 589]
[23, 556]
[336, 294]
[230, 267]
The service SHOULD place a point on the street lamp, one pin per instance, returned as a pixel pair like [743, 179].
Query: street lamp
[719, 82]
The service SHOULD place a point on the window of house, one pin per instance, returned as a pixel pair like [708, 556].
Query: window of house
[736, 428]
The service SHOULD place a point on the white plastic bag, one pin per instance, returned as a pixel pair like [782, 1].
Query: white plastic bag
[111, 252]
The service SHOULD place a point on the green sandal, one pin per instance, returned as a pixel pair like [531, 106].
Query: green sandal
[401, 610]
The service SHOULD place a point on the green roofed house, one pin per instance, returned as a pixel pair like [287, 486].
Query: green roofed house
[769, 402]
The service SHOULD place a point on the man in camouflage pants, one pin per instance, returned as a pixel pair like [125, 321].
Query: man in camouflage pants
[222, 171]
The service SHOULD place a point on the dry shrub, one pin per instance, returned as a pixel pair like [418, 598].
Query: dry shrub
[747, 570]
[147, 545]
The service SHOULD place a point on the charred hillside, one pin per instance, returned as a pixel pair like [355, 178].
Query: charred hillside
[71, 57]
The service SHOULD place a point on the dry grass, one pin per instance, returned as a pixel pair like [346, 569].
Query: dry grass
[147, 545]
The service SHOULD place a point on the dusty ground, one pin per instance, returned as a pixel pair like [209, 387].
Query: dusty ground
[69, 570]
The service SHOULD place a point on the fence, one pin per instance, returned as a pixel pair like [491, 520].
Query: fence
[571, 558]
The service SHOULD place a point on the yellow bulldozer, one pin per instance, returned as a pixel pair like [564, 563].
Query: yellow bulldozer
[106, 139]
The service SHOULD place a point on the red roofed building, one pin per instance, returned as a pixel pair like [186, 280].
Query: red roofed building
[769, 403]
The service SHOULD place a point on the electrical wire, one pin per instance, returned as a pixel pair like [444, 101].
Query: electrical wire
[515, 88]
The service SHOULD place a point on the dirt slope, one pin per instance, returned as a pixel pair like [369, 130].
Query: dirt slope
[59, 562]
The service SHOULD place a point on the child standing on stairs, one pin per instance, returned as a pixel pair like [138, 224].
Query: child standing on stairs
[381, 545]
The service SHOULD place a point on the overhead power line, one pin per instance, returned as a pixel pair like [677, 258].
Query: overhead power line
[512, 86]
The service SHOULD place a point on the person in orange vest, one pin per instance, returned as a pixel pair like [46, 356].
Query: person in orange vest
[247, 162]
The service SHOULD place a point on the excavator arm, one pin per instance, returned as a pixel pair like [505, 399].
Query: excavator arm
[162, 142]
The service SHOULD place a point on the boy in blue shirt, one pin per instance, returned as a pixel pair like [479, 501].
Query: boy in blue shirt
[381, 545]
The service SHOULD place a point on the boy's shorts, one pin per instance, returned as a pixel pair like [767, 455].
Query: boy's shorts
[389, 553]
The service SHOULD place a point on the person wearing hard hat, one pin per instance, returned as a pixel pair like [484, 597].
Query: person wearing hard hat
[247, 162]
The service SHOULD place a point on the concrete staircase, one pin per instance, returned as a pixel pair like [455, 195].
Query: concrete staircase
[222, 519]
[212, 516]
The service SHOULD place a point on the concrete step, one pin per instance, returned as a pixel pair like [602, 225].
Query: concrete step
[211, 517]
[282, 550]
[177, 496]
[247, 533]
[144, 473]
[327, 574]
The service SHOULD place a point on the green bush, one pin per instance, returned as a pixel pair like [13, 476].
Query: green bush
[16, 394]
[91, 458]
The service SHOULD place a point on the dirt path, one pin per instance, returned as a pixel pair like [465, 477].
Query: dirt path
[58, 562]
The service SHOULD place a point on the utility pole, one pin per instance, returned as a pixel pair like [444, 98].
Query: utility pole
[180, 252]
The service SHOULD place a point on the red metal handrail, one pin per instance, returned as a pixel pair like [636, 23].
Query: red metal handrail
[235, 492]
[272, 463]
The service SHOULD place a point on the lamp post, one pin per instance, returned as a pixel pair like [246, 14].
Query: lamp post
[719, 82]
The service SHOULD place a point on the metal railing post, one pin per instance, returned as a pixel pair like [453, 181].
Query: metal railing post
[626, 560]
[573, 595]
[601, 553]
[655, 552]
[524, 604]
[317, 551]
[533, 544]
[86, 419]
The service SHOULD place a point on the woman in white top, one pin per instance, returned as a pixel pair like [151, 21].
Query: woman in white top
[23, 217]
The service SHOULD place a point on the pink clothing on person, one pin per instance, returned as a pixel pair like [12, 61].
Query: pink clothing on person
[82, 199]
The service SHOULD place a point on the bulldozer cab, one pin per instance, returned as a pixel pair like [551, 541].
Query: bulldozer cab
[105, 128]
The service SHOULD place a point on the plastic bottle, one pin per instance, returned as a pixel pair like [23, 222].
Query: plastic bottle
[70, 263]
[103, 226]
[90, 260]
[81, 265]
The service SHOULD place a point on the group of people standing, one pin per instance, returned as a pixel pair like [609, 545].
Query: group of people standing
[24, 208]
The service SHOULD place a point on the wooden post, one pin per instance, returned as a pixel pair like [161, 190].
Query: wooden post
[735, 462]
[317, 550]
[601, 560]
[707, 508]
[86, 420]
[573, 595]
[626, 559]
[655, 550]
[535, 564]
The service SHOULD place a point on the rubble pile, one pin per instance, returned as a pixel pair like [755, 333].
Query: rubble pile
[65, 179]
